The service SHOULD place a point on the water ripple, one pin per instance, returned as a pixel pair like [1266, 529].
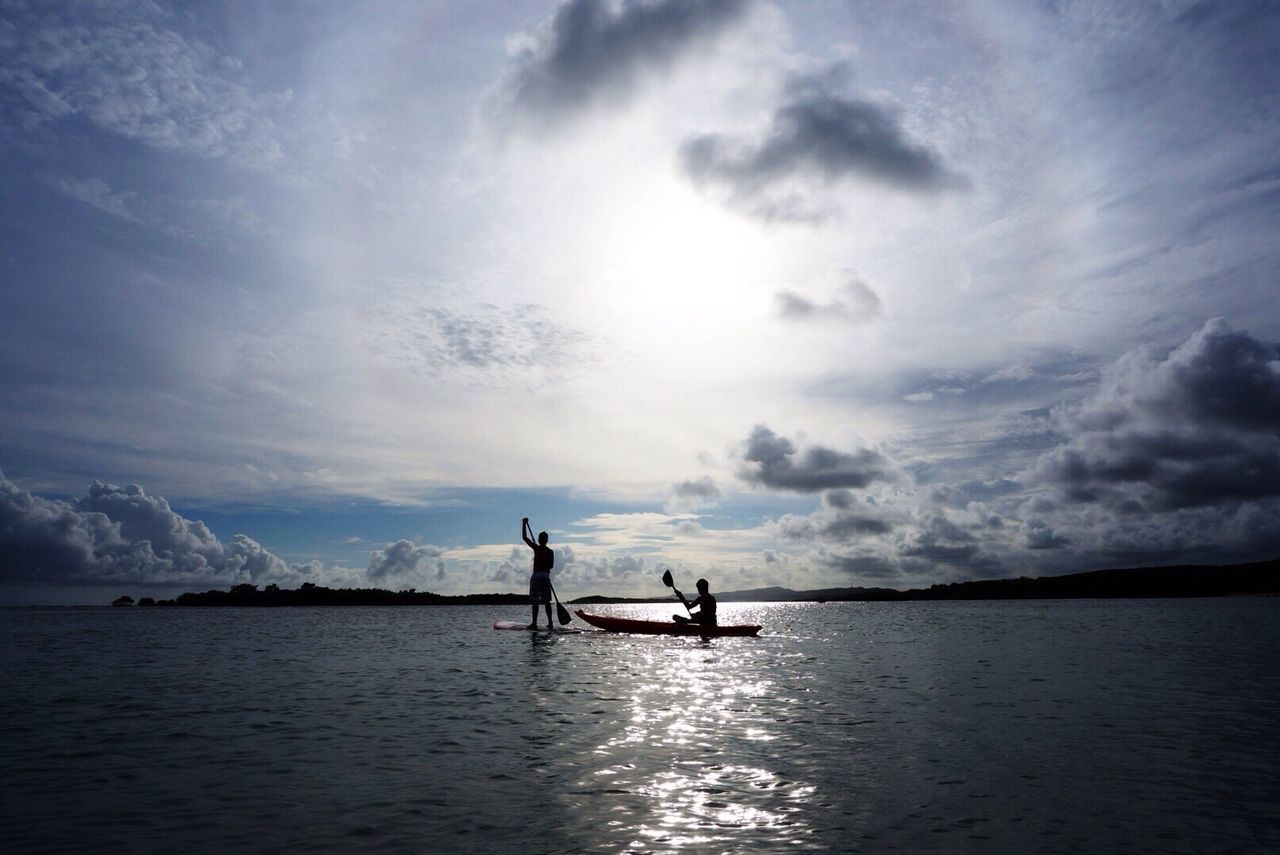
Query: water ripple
[1049, 727]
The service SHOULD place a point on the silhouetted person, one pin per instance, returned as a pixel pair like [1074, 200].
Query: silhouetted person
[704, 602]
[540, 580]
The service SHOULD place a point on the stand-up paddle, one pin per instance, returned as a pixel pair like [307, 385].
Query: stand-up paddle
[561, 612]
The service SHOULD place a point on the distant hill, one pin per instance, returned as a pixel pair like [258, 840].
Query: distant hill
[1261, 578]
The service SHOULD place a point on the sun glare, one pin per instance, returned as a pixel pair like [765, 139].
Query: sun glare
[681, 267]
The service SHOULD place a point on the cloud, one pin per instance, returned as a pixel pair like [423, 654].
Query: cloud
[843, 518]
[842, 528]
[124, 69]
[773, 461]
[491, 337]
[855, 304]
[1197, 427]
[869, 567]
[815, 137]
[121, 534]
[1037, 534]
[404, 559]
[896, 542]
[962, 494]
[575, 569]
[480, 339]
[693, 495]
[96, 193]
[585, 569]
[592, 51]
[514, 567]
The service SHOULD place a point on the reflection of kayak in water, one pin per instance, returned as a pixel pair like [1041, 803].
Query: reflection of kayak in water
[523, 627]
[664, 627]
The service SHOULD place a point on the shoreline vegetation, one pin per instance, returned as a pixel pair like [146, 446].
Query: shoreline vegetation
[1260, 578]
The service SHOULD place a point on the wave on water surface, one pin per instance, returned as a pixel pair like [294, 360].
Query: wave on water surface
[1077, 726]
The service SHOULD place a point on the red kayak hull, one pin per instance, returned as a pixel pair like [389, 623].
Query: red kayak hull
[664, 627]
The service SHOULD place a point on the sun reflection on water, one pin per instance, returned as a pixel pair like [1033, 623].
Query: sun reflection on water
[698, 759]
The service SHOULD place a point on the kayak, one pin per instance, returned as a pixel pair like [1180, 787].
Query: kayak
[664, 627]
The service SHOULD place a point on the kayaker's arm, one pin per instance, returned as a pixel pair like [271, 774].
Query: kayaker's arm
[525, 531]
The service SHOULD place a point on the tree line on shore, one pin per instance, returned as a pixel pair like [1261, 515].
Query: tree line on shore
[311, 594]
[1257, 578]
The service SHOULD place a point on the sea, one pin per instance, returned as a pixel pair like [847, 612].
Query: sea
[1082, 726]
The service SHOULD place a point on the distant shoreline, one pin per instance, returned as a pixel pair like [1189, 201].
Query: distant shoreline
[1261, 578]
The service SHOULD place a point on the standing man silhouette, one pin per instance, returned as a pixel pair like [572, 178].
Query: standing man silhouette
[540, 580]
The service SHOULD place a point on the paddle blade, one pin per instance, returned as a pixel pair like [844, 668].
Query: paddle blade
[666, 579]
[563, 614]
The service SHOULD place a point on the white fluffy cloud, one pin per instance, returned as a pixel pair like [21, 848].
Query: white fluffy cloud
[121, 534]
[405, 560]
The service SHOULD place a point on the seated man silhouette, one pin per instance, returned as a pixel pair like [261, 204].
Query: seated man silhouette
[704, 602]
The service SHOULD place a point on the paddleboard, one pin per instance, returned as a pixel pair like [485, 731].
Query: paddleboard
[524, 627]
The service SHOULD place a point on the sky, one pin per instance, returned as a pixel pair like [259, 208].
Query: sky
[807, 294]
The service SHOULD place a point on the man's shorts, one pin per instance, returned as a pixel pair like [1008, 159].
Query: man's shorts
[540, 588]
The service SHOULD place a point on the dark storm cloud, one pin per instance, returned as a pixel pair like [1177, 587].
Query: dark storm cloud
[773, 461]
[874, 568]
[404, 559]
[815, 135]
[878, 543]
[933, 551]
[962, 494]
[693, 494]
[852, 526]
[839, 499]
[593, 50]
[935, 539]
[1198, 427]
[856, 303]
[1173, 457]
[844, 526]
[1038, 535]
[120, 534]
[703, 488]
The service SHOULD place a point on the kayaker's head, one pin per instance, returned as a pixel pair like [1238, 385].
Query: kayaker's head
[703, 587]
[542, 538]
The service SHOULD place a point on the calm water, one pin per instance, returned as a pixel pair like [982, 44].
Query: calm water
[1137, 726]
